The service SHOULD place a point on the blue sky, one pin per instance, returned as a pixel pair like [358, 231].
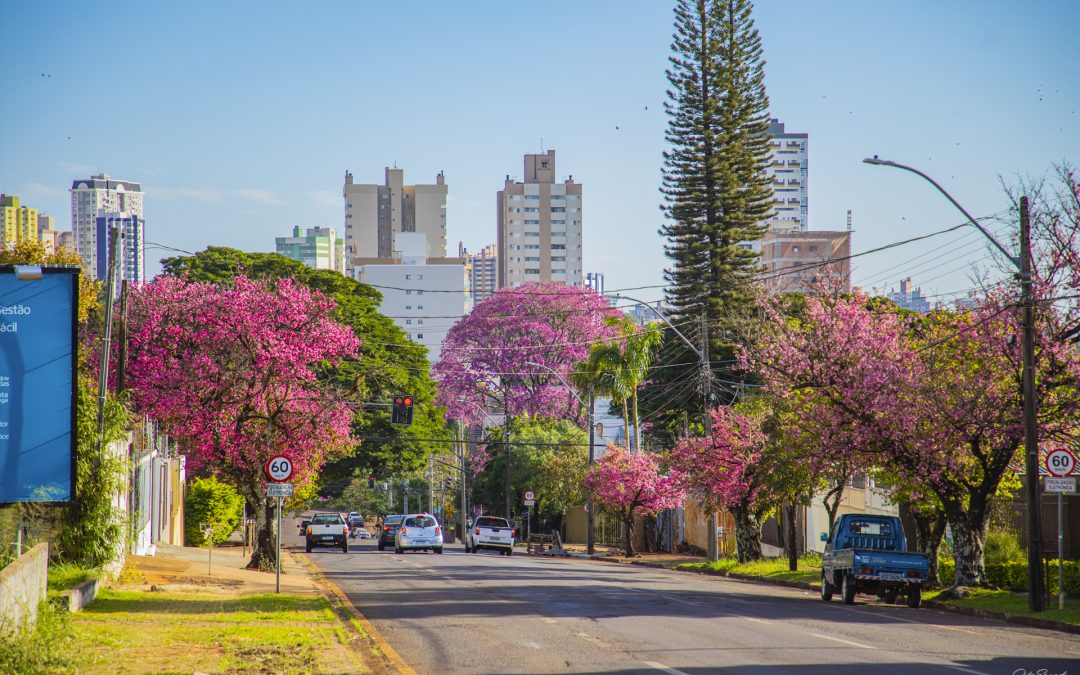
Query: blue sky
[240, 119]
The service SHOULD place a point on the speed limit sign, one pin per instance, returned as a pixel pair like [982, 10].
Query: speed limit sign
[279, 469]
[1060, 462]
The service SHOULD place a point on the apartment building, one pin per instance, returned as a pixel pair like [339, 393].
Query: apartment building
[376, 214]
[539, 226]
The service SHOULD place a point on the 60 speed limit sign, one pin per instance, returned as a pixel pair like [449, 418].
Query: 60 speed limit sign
[279, 468]
[1060, 462]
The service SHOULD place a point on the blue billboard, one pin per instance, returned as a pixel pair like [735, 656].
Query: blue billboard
[37, 383]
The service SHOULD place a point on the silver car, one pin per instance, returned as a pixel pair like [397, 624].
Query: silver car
[418, 532]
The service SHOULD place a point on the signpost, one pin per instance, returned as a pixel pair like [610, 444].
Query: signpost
[1060, 463]
[278, 469]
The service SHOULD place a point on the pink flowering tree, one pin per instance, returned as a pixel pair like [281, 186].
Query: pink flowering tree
[727, 470]
[935, 400]
[631, 485]
[233, 374]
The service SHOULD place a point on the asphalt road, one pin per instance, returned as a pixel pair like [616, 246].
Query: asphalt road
[486, 613]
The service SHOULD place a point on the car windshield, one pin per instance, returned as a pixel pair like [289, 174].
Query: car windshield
[421, 521]
[326, 520]
[491, 522]
[873, 528]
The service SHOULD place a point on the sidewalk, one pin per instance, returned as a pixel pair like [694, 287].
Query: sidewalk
[184, 568]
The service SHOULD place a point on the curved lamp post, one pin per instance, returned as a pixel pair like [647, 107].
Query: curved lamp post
[1031, 442]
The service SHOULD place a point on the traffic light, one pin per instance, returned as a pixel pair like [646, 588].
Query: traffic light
[371, 481]
[402, 410]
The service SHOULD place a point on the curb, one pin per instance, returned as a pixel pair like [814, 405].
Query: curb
[388, 652]
[1030, 621]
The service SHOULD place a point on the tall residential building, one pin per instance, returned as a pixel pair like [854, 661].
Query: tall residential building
[910, 298]
[375, 214]
[95, 196]
[424, 296]
[788, 173]
[539, 226]
[130, 245]
[17, 222]
[482, 269]
[806, 262]
[320, 248]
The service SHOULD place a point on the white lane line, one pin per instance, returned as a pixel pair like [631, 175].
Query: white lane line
[756, 620]
[666, 669]
[847, 642]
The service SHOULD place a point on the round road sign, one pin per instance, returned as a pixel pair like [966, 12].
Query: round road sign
[1060, 462]
[529, 496]
[279, 468]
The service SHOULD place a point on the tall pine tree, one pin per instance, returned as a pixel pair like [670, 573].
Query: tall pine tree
[717, 195]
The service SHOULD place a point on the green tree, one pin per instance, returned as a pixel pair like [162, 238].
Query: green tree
[390, 363]
[717, 195]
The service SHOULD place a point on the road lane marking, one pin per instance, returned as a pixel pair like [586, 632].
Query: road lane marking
[666, 669]
[847, 642]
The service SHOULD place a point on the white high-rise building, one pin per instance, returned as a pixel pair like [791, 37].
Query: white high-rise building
[375, 214]
[788, 173]
[97, 196]
[539, 226]
[424, 297]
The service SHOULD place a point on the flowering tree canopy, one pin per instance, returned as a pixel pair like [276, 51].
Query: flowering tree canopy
[487, 355]
[232, 374]
[632, 484]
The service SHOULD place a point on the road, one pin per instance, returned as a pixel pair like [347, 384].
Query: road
[486, 613]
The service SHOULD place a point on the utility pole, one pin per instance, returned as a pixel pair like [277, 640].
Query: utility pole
[1031, 439]
[103, 377]
[589, 534]
[706, 390]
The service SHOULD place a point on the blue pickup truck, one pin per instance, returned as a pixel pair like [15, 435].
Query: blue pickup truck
[868, 554]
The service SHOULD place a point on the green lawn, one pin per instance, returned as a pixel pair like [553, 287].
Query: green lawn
[134, 631]
[1014, 603]
[767, 568]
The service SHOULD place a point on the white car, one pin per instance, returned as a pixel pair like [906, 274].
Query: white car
[491, 533]
[418, 532]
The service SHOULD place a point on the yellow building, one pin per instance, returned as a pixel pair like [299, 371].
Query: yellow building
[18, 223]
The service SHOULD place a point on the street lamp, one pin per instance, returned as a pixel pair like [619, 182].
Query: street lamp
[1031, 443]
[590, 540]
[706, 387]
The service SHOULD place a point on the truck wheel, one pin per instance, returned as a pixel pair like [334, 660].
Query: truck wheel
[914, 597]
[847, 590]
[826, 589]
[307, 545]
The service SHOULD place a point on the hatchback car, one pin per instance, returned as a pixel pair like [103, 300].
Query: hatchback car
[388, 531]
[419, 532]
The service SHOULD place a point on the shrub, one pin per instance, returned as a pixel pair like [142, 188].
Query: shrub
[210, 502]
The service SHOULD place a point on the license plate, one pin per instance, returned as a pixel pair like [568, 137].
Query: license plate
[890, 576]
[328, 538]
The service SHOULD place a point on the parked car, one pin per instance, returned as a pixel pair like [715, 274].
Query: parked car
[491, 533]
[327, 529]
[388, 531]
[868, 554]
[419, 532]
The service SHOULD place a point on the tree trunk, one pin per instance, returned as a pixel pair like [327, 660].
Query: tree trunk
[969, 540]
[747, 535]
[792, 544]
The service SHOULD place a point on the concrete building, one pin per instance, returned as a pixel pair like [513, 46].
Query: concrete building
[788, 173]
[375, 214]
[320, 248]
[424, 296]
[131, 247]
[909, 298]
[18, 222]
[539, 226]
[482, 270]
[90, 198]
[798, 261]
